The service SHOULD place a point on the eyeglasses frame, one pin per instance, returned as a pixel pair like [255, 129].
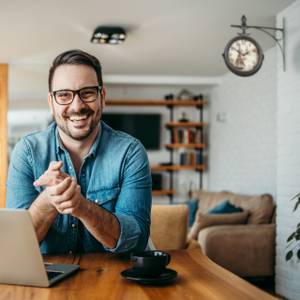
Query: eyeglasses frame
[76, 92]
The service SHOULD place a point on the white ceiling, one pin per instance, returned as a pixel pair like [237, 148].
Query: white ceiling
[165, 37]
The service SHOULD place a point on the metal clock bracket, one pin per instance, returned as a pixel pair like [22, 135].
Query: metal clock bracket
[280, 42]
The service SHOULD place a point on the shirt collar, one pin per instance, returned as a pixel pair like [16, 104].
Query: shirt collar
[92, 152]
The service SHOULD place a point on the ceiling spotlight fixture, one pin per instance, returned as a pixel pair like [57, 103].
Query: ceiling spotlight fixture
[108, 35]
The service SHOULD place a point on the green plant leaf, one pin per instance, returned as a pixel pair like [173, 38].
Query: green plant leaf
[297, 204]
[298, 253]
[298, 225]
[296, 196]
[297, 234]
[291, 237]
[289, 255]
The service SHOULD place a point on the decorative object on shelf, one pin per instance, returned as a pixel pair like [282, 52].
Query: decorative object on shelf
[108, 35]
[183, 117]
[169, 97]
[185, 95]
[198, 97]
[293, 241]
[243, 55]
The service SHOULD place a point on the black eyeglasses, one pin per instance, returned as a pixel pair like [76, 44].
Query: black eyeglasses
[86, 95]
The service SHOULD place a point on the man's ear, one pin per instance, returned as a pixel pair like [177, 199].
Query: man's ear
[103, 95]
[50, 103]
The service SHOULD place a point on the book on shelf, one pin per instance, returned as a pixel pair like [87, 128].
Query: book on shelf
[175, 136]
[190, 158]
[191, 135]
[198, 136]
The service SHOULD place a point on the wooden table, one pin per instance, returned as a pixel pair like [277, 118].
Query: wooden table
[99, 278]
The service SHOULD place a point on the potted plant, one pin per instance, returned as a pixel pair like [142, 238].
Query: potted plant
[293, 241]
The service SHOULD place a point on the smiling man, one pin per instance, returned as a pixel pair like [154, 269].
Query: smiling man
[87, 186]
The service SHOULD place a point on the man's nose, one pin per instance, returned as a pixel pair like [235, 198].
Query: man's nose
[77, 103]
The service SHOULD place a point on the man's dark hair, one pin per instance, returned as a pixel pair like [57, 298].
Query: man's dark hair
[75, 57]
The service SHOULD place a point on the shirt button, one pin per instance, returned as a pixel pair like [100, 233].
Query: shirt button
[73, 225]
[70, 251]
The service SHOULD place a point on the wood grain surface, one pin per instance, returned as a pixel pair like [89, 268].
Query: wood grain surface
[99, 278]
[3, 130]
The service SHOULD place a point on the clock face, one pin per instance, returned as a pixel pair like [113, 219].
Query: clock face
[243, 56]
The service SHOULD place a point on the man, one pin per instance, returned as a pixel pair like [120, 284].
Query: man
[87, 186]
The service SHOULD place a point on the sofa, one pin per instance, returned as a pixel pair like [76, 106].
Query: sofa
[244, 242]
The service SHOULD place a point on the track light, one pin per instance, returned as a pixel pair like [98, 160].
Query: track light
[108, 35]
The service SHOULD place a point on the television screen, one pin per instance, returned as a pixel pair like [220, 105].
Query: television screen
[145, 127]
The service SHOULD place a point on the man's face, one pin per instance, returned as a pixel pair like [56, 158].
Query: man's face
[78, 119]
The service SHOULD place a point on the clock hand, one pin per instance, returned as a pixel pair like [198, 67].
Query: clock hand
[237, 50]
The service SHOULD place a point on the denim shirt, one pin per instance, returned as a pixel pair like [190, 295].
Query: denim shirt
[114, 175]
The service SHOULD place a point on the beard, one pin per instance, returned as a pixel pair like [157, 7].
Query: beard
[64, 123]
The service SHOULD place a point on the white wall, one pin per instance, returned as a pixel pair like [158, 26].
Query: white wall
[288, 158]
[242, 133]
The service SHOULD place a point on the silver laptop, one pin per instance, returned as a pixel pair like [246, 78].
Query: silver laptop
[21, 261]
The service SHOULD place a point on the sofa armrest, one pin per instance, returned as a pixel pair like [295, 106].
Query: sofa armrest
[246, 250]
[193, 244]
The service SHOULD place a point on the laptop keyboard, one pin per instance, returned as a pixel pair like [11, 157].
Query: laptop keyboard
[53, 274]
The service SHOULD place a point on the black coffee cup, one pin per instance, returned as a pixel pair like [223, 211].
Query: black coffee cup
[150, 263]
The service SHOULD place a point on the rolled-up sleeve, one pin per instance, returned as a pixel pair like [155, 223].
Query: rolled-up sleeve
[20, 191]
[133, 206]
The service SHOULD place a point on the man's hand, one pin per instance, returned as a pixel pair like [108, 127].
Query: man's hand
[61, 195]
[62, 191]
[65, 196]
[52, 176]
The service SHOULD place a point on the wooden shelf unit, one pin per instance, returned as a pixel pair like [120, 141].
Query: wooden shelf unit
[186, 124]
[158, 168]
[187, 146]
[158, 102]
[173, 125]
[163, 192]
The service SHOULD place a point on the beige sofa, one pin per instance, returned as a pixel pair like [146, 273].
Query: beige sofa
[243, 243]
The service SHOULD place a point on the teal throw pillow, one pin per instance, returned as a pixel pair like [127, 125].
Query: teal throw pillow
[225, 207]
[192, 205]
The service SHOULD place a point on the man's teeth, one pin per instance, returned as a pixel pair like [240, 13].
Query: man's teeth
[78, 118]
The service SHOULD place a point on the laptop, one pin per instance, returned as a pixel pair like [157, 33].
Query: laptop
[21, 261]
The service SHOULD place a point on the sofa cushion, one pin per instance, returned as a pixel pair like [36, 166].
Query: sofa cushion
[192, 205]
[208, 200]
[260, 207]
[207, 220]
[246, 250]
[225, 207]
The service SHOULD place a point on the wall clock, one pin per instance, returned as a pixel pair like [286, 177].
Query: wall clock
[243, 55]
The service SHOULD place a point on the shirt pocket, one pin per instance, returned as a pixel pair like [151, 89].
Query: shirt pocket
[105, 197]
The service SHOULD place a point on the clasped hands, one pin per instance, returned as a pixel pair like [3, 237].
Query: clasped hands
[62, 190]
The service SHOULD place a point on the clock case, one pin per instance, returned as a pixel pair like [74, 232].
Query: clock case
[231, 67]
